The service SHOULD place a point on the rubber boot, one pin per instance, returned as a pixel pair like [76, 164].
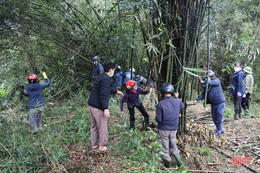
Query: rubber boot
[132, 125]
[179, 161]
[239, 115]
[166, 163]
[146, 121]
[235, 116]
[247, 113]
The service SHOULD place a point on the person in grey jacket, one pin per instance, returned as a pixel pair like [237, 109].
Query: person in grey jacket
[141, 80]
[216, 98]
[249, 84]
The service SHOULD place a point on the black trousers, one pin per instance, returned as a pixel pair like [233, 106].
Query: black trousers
[237, 104]
[246, 101]
[140, 108]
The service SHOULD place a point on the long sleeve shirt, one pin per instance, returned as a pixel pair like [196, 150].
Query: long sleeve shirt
[167, 113]
[132, 99]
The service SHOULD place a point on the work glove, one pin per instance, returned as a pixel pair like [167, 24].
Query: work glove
[244, 96]
[44, 75]
[239, 95]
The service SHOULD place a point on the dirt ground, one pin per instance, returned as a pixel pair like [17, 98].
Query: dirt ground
[201, 150]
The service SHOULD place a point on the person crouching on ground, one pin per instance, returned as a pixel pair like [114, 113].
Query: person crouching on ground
[98, 107]
[216, 98]
[131, 95]
[167, 117]
[36, 103]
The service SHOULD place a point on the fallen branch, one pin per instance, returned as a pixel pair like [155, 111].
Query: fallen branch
[237, 137]
[53, 164]
[213, 164]
[234, 142]
[248, 167]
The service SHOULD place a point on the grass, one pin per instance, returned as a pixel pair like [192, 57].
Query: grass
[68, 123]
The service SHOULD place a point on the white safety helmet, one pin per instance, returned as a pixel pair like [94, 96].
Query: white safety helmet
[133, 70]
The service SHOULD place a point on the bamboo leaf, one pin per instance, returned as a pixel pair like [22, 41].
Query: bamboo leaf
[170, 43]
[194, 69]
[192, 73]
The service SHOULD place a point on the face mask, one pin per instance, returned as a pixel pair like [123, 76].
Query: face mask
[236, 69]
[111, 75]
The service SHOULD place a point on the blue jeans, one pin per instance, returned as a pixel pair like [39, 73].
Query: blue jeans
[217, 112]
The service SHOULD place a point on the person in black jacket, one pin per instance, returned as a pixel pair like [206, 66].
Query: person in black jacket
[98, 107]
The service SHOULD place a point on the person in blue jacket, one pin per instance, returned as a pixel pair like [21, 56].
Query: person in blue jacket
[167, 117]
[127, 76]
[237, 89]
[36, 103]
[216, 98]
[98, 69]
[118, 78]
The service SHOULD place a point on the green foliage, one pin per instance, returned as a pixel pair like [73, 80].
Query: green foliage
[142, 148]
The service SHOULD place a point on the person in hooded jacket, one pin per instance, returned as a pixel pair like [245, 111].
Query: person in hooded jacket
[36, 103]
[216, 98]
[237, 89]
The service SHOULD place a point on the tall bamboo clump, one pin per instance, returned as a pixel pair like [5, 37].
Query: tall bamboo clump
[172, 41]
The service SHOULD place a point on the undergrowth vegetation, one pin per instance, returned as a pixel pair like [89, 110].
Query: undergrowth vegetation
[67, 123]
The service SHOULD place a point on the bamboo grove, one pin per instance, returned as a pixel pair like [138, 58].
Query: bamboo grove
[157, 37]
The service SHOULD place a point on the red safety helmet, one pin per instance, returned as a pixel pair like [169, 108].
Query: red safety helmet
[32, 78]
[130, 84]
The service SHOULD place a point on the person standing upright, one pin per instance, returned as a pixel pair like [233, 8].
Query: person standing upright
[98, 69]
[249, 85]
[167, 117]
[216, 98]
[98, 107]
[34, 91]
[127, 76]
[237, 89]
[118, 78]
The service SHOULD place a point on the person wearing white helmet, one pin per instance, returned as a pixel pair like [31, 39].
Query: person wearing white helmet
[127, 75]
[249, 84]
[118, 78]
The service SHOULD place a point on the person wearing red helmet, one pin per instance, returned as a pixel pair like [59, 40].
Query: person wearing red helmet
[36, 103]
[131, 96]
